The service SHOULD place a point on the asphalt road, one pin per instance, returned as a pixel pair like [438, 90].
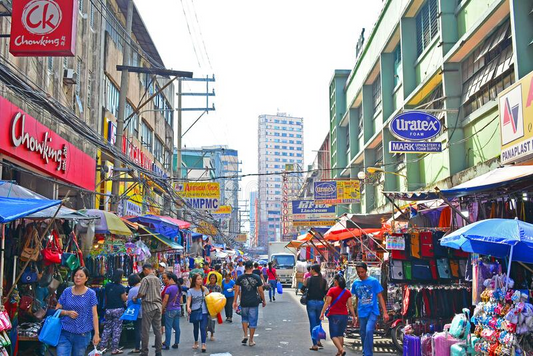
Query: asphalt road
[283, 330]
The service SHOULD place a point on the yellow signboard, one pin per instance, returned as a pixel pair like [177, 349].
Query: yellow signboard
[516, 121]
[241, 238]
[302, 223]
[209, 190]
[206, 229]
[337, 192]
[223, 209]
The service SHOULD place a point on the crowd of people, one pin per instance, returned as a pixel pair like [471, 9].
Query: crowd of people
[163, 299]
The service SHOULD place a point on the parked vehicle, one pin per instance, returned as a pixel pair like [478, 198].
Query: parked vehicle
[284, 264]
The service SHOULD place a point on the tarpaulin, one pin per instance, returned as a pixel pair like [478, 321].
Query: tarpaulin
[16, 208]
[166, 226]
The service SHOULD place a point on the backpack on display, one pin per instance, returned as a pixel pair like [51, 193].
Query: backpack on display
[443, 267]
[415, 245]
[396, 270]
[454, 268]
[420, 271]
[426, 245]
[407, 270]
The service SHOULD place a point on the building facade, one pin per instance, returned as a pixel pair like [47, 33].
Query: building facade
[447, 58]
[280, 148]
[253, 236]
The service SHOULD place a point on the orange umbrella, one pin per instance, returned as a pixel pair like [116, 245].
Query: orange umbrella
[350, 233]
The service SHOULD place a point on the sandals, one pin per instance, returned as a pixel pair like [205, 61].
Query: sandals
[244, 341]
[252, 343]
[313, 348]
[195, 346]
[204, 348]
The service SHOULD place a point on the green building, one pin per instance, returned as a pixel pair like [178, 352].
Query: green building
[450, 58]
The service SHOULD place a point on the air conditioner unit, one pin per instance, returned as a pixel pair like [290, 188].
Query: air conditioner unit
[70, 76]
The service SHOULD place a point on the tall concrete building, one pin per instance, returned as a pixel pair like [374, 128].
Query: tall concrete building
[253, 218]
[280, 145]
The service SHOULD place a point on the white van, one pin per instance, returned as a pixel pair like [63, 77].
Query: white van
[284, 264]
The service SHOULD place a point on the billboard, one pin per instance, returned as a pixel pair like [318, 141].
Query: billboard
[241, 238]
[43, 28]
[337, 192]
[307, 210]
[223, 212]
[516, 121]
[200, 195]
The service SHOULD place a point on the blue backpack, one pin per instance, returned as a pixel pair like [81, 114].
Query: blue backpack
[460, 328]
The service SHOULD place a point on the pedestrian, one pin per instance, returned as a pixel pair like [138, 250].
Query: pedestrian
[172, 310]
[240, 268]
[308, 273]
[150, 296]
[163, 277]
[212, 286]
[338, 302]
[231, 271]
[207, 270]
[257, 271]
[367, 292]
[217, 273]
[229, 293]
[134, 281]
[249, 293]
[78, 307]
[197, 270]
[197, 310]
[115, 296]
[316, 287]
[272, 277]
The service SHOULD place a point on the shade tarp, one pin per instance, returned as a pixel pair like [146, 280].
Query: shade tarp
[294, 244]
[16, 208]
[355, 225]
[166, 226]
[10, 189]
[163, 239]
[108, 223]
[494, 237]
[504, 177]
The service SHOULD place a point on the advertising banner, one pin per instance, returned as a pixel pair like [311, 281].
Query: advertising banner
[26, 139]
[337, 192]
[241, 238]
[311, 223]
[200, 195]
[305, 210]
[206, 228]
[223, 212]
[43, 28]
[414, 147]
[516, 120]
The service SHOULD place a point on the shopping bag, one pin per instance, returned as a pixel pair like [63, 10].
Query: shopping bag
[51, 330]
[215, 302]
[279, 288]
[318, 333]
[132, 312]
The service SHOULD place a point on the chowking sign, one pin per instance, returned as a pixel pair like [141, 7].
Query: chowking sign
[43, 28]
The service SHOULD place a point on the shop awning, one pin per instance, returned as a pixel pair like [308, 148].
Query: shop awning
[166, 241]
[294, 244]
[10, 189]
[108, 223]
[16, 208]
[499, 178]
[164, 225]
[355, 225]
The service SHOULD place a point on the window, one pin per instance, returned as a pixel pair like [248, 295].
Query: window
[348, 137]
[50, 64]
[92, 16]
[376, 93]
[115, 29]
[89, 89]
[158, 150]
[81, 6]
[146, 136]
[65, 62]
[134, 58]
[379, 155]
[168, 160]
[78, 82]
[397, 64]
[488, 70]
[427, 25]
[112, 95]
[133, 122]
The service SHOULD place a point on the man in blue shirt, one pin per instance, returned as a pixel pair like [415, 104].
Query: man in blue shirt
[367, 292]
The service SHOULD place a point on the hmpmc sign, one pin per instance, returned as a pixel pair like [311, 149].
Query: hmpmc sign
[43, 28]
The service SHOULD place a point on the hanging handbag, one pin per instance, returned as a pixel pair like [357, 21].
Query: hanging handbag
[51, 330]
[29, 276]
[415, 245]
[26, 302]
[32, 248]
[52, 251]
[46, 278]
[303, 298]
[5, 320]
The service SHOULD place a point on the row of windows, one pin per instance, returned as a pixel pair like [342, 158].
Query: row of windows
[285, 122]
[290, 128]
[277, 140]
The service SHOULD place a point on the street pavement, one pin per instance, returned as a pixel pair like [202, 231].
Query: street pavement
[283, 330]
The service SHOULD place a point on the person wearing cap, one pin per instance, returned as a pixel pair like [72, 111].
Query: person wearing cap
[249, 294]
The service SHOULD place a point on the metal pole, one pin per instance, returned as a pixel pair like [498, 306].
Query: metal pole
[2, 262]
[178, 161]
[509, 267]
[124, 81]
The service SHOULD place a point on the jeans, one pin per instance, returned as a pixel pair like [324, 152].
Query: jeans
[71, 344]
[201, 327]
[151, 319]
[228, 308]
[172, 321]
[137, 324]
[273, 286]
[366, 330]
[314, 309]
[250, 316]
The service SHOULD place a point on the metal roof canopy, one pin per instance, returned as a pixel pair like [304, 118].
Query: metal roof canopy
[158, 71]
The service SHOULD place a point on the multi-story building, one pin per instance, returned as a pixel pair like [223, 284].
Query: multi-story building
[281, 148]
[448, 58]
[219, 164]
[319, 170]
[253, 217]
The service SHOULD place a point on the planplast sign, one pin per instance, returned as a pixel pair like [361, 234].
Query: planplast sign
[43, 28]
[415, 126]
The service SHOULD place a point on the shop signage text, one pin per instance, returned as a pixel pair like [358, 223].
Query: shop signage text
[28, 141]
[306, 210]
[415, 126]
[337, 192]
[43, 28]
[414, 147]
[223, 212]
[516, 121]
[198, 190]
[313, 223]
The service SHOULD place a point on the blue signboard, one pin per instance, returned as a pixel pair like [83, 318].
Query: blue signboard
[415, 126]
[309, 207]
[325, 190]
[414, 147]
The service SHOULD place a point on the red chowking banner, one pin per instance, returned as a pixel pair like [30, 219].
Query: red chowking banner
[43, 28]
[27, 140]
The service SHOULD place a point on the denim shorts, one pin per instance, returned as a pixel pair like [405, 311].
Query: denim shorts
[337, 325]
[250, 315]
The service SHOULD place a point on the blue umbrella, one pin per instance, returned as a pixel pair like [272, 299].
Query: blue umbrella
[501, 238]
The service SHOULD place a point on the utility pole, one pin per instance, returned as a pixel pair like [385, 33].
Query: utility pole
[124, 81]
[179, 129]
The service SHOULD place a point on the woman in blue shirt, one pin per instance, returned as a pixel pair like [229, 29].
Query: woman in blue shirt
[80, 316]
[227, 290]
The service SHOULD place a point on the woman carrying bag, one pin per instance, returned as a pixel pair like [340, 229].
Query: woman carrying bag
[338, 302]
[80, 316]
[316, 291]
[115, 298]
[197, 310]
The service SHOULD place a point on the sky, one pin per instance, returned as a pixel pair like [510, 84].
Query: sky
[267, 57]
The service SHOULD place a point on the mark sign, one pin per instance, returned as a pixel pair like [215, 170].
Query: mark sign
[43, 28]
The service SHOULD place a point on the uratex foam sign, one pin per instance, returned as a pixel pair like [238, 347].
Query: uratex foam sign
[43, 28]
[415, 126]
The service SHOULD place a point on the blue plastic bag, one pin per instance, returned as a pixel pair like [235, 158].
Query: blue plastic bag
[132, 312]
[51, 330]
[279, 288]
[318, 333]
